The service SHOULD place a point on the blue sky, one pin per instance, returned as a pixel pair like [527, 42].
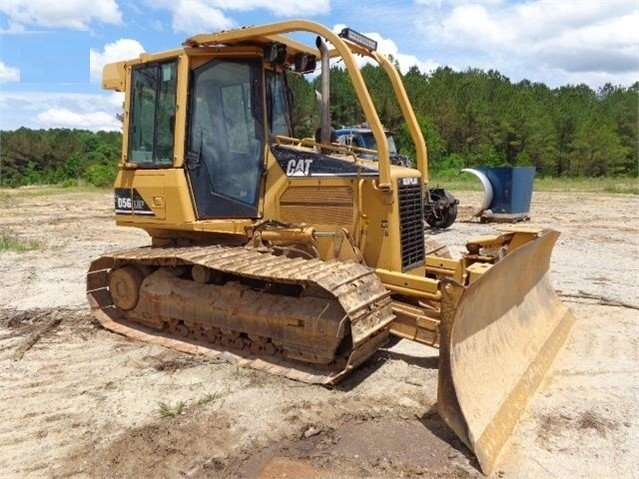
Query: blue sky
[52, 52]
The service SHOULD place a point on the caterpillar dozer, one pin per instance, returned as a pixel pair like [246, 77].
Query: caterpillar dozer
[298, 257]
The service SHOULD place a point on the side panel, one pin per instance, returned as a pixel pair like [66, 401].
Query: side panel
[164, 192]
[394, 236]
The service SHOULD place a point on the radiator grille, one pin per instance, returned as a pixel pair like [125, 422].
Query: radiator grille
[330, 205]
[411, 225]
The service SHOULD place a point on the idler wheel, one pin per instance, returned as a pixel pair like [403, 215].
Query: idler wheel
[213, 335]
[198, 332]
[232, 339]
[201, 274]
[124, 285]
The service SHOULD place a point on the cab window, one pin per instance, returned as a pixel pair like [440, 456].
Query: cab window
[152, 114]
[277, 104]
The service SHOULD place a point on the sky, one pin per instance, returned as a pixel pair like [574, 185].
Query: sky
[52, 52]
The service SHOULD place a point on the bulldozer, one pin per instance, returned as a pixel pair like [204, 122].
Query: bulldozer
[300, 257]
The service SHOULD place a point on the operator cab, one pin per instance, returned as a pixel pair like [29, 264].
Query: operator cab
[216, 114]
[225, 128]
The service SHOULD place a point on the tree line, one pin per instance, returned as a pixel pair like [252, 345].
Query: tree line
[58, 156]
[469, 118]
[478, 118]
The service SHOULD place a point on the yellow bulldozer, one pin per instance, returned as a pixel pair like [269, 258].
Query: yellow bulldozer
[298, 256]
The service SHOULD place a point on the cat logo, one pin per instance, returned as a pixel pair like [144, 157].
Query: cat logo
[298, 167]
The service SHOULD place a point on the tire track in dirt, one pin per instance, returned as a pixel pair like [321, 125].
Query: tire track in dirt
[43, 395]
[56, 399]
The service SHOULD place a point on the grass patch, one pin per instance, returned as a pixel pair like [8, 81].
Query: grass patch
[172, 410]
[592, 420]
[623, 188]
[624, 185]
[463, 182]
[48, 190]
[239, 372]
[10, 242]
[210, 398]
[588, 185]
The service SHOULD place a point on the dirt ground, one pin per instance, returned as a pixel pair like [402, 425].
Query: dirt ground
[84, 402]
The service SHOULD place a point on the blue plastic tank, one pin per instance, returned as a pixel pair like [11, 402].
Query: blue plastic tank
[512, 188]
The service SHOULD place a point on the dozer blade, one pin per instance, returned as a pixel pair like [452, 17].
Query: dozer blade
[500, 336]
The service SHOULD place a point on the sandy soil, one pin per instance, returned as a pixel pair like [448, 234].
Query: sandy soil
[83, 402]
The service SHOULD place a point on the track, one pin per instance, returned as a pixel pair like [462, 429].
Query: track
[308, 320]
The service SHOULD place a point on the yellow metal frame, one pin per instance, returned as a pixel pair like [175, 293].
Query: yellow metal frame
[373, 228]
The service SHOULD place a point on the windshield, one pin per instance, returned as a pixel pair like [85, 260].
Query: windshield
[369, 142]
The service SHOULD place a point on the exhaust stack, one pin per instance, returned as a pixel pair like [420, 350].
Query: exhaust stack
[325, 103]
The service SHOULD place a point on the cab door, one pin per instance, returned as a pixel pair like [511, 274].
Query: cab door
[225, 144]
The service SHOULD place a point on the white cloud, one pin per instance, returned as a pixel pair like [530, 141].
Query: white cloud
[73, 14]
[116, 100]
[63, 118]
[472, 25]
[594, 39]
[201, 16]
[601, 47]
[122, 49]
[40, 109]
[388, 47]
[196, 16]
[556, 78]
[8, 74]
[283, 8]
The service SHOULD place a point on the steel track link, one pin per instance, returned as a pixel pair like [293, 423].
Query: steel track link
[365, 302]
